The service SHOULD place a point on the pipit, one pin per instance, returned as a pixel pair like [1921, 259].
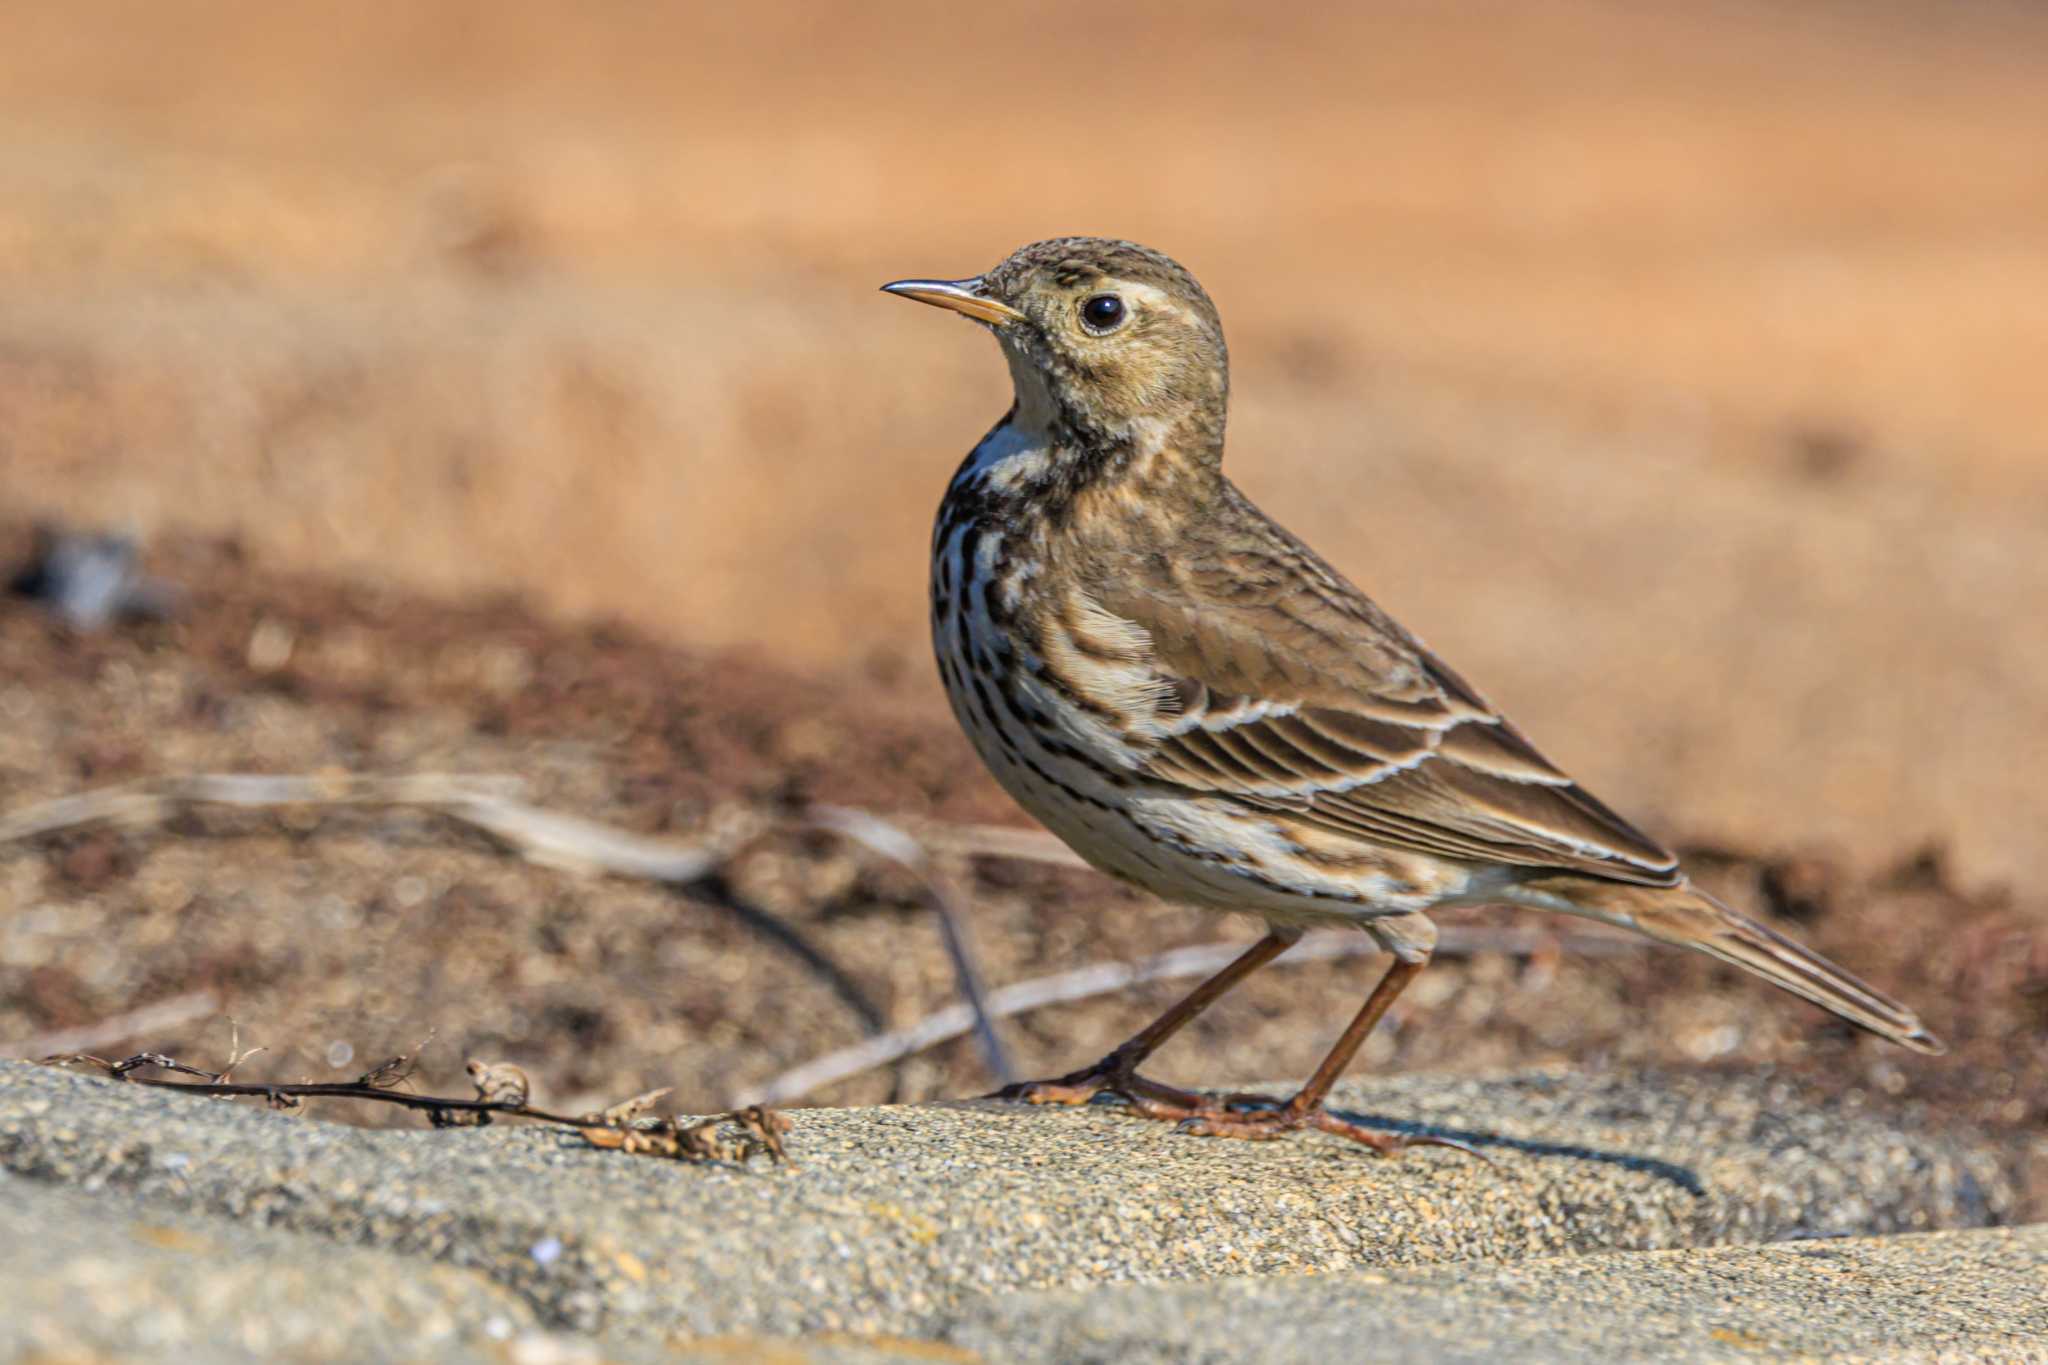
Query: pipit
[1197, 703]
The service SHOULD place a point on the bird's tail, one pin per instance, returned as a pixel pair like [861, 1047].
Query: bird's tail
[1690, 918]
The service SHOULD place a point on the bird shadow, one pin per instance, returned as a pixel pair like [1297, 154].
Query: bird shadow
[1670, 1171]
[1684, 1177]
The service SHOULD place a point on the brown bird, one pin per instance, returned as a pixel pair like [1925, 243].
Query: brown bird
[1197, 703]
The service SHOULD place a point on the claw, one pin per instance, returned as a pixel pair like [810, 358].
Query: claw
[1275, 1121]
[1430, 1140]
[1084, 1086]
[1220, 1126]
[1066, 1090]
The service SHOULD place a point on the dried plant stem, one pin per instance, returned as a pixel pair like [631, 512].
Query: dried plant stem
[500, 1089]
[284, 1095]
[1105, 978]
[994, 841]
[489, 803]
[887, 840]
[482, 802]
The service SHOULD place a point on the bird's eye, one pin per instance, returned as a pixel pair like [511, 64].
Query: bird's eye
[1102, 313]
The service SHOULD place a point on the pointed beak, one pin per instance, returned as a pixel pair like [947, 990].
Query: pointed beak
[962, 296]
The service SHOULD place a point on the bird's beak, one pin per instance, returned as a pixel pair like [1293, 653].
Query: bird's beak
[962, 296]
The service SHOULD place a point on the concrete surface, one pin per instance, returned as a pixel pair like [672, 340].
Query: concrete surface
[1979, 1295]
[137, 1218]
[86, 1280]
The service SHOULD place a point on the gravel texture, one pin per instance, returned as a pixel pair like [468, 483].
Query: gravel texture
[1948, 1296]
[87, 1280]
[86, 1274]
[897, 1219]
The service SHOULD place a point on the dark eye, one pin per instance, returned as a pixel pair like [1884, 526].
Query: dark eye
[1102, 312]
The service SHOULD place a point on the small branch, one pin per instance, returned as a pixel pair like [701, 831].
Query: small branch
[286, 1095]
[154, 1018]
[482, 802]
[994, 841]
[500, 1089]
[885, 839]
[1105, 978]
[574, 844]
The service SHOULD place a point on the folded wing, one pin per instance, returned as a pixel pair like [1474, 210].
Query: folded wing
[1282, 686]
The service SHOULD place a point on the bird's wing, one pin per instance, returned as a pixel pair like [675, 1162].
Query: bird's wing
[1279, 684]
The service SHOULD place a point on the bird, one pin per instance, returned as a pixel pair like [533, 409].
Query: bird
[1197, 703]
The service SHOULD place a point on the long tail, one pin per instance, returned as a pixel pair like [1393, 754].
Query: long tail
[1690, 918]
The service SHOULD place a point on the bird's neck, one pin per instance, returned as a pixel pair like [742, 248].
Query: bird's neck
[1047, 458]
[1028, 473]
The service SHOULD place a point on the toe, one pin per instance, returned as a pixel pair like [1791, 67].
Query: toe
[1260, 1127]
[1050, 1092]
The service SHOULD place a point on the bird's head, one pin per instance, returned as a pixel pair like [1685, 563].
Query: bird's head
[1111, 344]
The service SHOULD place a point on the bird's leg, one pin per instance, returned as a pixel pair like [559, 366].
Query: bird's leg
[1306, 1109]
[1117, 1072]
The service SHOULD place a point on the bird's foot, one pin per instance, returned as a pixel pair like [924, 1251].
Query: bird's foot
[1106, 1077]
[1252, 1117]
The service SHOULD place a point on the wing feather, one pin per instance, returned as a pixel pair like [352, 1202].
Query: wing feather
[1286, 688]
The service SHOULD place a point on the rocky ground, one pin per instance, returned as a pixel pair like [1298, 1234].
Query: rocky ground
[142, 1220]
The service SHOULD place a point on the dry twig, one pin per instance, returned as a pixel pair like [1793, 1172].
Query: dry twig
[483, 802]
[994, 841]
[394, 1072]
[625, 1111]
[762, 1129]
[237, 1054]
[501, 1088]
[1104, 978]
[488, 803]
[885, 839]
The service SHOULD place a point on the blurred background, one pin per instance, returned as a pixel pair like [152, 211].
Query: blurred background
[504, 388]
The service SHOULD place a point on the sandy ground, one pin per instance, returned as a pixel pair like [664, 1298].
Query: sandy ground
[1674, 369]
